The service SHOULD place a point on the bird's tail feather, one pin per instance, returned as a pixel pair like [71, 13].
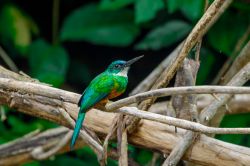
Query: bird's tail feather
[77, 129]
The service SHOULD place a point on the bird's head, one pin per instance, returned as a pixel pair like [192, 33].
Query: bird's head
[120, 67]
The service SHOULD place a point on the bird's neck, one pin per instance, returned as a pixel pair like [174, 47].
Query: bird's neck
[123, 73]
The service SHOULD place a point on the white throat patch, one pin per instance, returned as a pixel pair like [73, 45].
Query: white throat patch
[123, 73]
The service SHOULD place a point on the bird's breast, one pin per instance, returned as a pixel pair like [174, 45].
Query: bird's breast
[120, 84]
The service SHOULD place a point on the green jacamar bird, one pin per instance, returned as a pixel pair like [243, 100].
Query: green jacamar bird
[107, 85]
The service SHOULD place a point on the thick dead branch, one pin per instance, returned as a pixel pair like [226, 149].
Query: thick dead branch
[34, 96]
[150, 135]
[47, 107]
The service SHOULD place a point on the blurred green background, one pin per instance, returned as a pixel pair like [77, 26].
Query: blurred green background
[66, 43]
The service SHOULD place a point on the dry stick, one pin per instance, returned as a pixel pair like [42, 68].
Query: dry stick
[2, 114]
[145, 85]
[175, 91]
[19, 151]
[179, 150]
[240, 61]
[148, 82]
[185, 124]
[236, 66]
[155, 157]
[4, 73]
[114, 155]
[122, 142]
[39, 89]
[20, 140]
[113, 129]
[39, 153]
[8, 60]
[240, 103]
[238, 80]
[191, 74]
[189, 71]
[206, 21]
[123, 159]
[94, 145]
[221, 74]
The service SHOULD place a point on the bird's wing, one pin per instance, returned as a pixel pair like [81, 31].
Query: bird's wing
[97, 90]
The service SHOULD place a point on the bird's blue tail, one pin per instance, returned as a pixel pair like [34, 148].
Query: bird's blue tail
[77, 129]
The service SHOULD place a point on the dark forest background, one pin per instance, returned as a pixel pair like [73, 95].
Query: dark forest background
[66, 43]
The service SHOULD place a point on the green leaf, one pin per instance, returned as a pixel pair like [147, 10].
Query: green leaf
[144, 156]
[192, 9]
[114, 4]
[16, 28]
[224, 35]
[111, 28]
[146, 10]
[165, 35]
[48, 63]
[173, 5]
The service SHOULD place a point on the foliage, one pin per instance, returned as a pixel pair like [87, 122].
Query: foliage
[106, 28]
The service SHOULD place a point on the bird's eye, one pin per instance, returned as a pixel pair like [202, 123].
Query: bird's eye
[117, 66]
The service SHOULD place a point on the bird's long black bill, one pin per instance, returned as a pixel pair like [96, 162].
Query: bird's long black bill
[130, 62]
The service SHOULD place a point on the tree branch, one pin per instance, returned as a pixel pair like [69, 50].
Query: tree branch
[175, 91]
[150, 135]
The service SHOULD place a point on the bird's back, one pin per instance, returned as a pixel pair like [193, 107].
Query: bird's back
[104, 86]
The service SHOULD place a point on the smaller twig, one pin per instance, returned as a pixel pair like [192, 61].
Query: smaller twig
[239, 79]
[176, 91]
[155, 157]
[198, 50]
[112, 130]
[39, 153]
[8, 60]
[147, 83]
[114, 155]
[22, 139]
[239, 62]
[221, 77]
[187, 73]
[55, 21]
[185, 124]
[94, 145]
[179, 150]
[2, 113]
[240, 103]
[123, 158]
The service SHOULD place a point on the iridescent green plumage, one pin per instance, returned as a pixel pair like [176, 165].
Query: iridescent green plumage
[109, 84]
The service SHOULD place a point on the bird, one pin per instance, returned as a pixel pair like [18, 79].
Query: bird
[107, 85]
